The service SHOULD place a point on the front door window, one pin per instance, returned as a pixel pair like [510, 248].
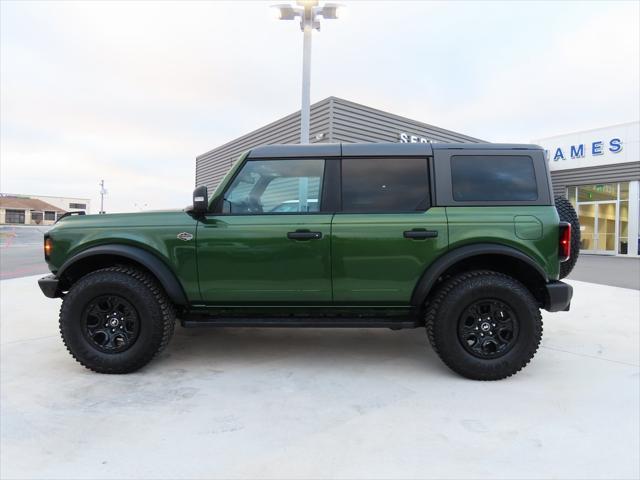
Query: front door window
[276, 186]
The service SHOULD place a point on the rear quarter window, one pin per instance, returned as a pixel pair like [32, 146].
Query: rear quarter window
[493, 178]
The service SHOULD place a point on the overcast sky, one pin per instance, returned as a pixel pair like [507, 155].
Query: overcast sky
[132, 91]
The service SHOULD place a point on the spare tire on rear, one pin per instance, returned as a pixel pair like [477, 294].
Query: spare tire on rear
[567, 213]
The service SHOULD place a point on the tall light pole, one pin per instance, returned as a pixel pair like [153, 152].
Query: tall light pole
[309, 12]
[103, 192]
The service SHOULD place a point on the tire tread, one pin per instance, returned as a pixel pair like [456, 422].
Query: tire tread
[433, 315]
[143, 279]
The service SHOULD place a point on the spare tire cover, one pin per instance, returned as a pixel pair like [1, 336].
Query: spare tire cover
[567, 213]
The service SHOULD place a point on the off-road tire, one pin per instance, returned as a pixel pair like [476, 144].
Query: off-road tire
[567, 213]
[155, 312]
[450, 301]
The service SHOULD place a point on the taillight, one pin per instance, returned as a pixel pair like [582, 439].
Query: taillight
[48, 247]
[564, 248]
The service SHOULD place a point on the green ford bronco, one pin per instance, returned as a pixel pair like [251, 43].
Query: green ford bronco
[465, 240]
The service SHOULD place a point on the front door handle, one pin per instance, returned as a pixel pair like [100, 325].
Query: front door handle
[420, 234]
[304, 235]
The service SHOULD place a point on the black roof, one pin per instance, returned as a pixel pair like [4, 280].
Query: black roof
[375, 149]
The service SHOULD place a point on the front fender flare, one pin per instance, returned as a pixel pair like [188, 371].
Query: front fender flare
[157, 267]
[442, 264]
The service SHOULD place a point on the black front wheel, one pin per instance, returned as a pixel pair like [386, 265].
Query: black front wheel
[115, 320]
[484, 325]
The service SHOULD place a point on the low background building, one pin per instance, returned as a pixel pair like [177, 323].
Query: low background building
[37, 209]
[599, 171]
[70, 204]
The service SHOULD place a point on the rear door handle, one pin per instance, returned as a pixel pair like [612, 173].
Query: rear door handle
[420, 234]
[304, 235]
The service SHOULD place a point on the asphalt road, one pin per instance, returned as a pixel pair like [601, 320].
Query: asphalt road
[21, 256]
[21, 251]
[606, 270]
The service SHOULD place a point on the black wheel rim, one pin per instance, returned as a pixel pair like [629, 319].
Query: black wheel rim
[488, 328]
[110, 323]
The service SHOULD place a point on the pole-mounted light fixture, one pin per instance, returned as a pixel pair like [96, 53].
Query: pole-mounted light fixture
[308, 11]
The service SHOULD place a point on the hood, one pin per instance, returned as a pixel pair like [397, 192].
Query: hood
[142, 219]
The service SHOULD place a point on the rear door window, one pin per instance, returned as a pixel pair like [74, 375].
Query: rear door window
[384, 185]
[493, 178]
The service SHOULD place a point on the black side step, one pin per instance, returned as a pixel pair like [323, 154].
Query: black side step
[298, 321]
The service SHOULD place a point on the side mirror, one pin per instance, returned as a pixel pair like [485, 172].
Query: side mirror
[200, 200]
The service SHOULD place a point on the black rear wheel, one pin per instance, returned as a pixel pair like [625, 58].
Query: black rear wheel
[484, 325]
[488, 328]
[567, 213]
[115, 320]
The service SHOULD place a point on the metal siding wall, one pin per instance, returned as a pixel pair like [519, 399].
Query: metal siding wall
[354, 123]
[339, 120]
[620, 172]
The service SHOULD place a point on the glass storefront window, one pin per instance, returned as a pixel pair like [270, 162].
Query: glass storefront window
[587, 217]
[607, 227]
[599, 192]
[623, 227]
[603, 211]
[624, 191]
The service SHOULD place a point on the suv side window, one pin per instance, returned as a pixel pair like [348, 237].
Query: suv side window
[493, 178]
[384, 185]
[276, 186]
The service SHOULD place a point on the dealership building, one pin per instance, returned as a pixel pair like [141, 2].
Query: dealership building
[598, 170]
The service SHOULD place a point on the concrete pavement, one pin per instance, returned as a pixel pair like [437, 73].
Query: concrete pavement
[310, 403]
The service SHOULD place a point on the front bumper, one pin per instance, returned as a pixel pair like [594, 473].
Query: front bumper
[558, 297]
[50, 286]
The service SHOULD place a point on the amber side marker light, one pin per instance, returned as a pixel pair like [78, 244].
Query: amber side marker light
[48, 247]
[564, 248]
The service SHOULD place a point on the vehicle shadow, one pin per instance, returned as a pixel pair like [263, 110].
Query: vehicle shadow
[230, 347]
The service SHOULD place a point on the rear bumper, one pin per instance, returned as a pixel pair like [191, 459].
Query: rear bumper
[50, 286]
[558, 296]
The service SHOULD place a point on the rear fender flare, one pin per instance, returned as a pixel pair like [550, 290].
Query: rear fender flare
[441, 265]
